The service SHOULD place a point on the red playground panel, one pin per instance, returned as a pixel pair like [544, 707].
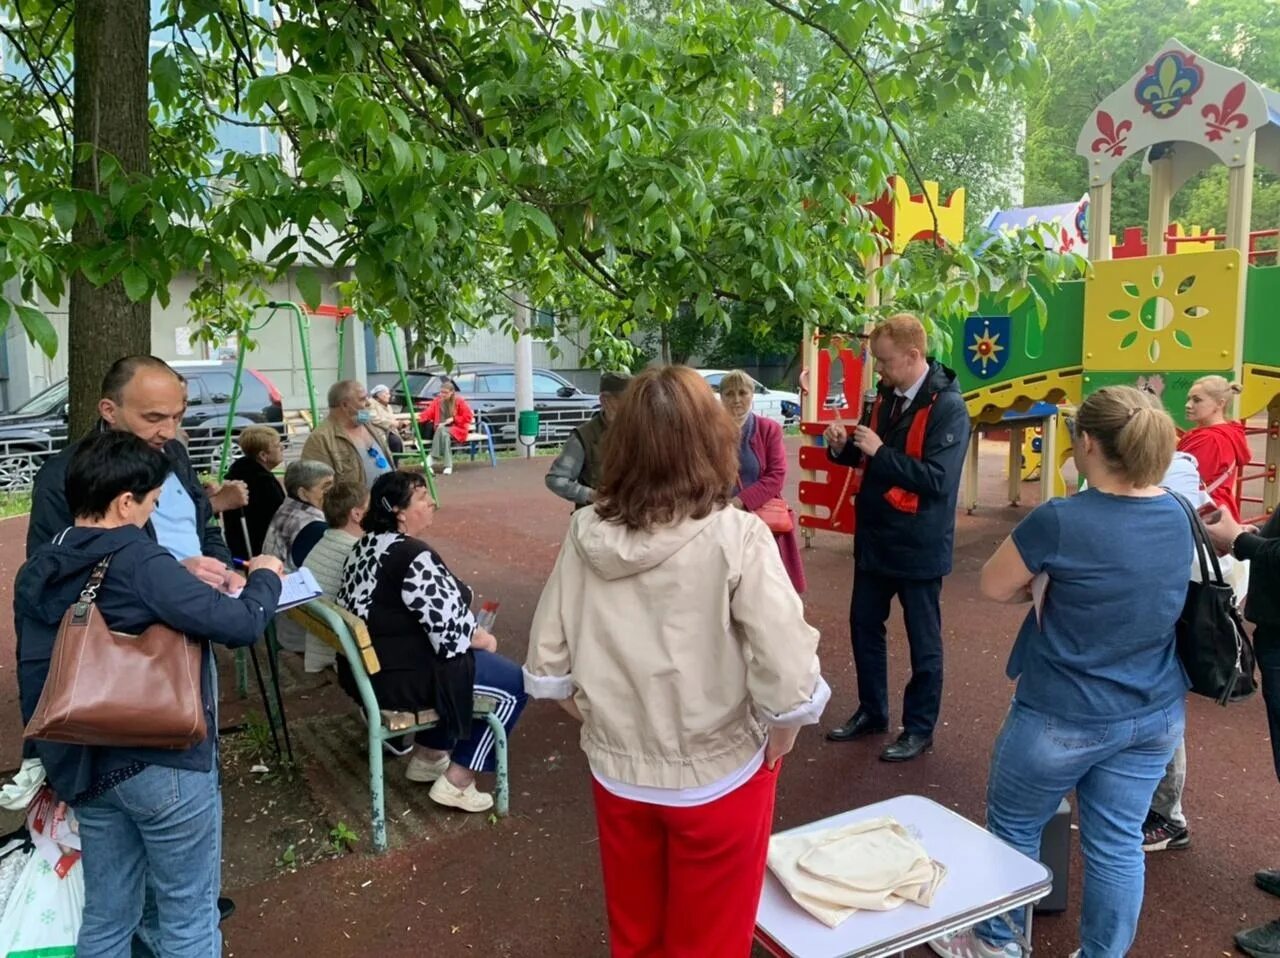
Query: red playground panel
[828, 495]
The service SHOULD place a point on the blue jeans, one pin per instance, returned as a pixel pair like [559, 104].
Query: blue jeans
[161, 828]
[500, 679]
[1114, 768]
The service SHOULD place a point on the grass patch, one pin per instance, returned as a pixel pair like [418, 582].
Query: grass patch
[14, 504]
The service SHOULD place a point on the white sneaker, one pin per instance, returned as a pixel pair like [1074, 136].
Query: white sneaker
[430, 461]
[448, 470]
[468, 799]
[966, 944]
[424, 770]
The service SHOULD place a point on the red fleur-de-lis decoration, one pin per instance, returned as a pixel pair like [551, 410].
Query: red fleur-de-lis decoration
[1113, 134]
[1222, 117]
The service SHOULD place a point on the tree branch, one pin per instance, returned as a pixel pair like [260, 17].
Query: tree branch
[844, 48]
[434, 77]
[33, 69]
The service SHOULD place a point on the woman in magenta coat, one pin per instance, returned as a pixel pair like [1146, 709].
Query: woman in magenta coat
[762, 464]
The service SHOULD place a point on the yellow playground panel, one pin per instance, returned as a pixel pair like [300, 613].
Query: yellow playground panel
[1160, 311]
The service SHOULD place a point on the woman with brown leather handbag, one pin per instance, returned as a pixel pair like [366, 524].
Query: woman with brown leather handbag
[762, 471]
[148, 815]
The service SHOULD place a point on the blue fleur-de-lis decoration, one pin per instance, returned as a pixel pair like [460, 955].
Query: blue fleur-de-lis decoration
[1169, 84]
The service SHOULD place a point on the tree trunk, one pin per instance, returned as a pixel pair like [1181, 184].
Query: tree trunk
[666, 345]
[110, 115]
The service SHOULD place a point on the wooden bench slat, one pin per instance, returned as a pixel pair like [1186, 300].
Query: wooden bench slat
[359, 631]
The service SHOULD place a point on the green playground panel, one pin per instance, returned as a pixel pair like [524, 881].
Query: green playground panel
[1031, 350]
[1172, 388]
[1262, 316]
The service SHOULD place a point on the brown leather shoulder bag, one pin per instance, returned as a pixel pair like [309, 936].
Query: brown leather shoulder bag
[124, 691]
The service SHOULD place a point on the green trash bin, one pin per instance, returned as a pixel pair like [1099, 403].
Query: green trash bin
[527, 427]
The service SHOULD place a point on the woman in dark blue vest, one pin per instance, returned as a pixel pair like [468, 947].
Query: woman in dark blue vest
[148, 817]
[432, 653]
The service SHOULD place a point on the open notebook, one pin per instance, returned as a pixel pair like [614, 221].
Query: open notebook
[298, 587]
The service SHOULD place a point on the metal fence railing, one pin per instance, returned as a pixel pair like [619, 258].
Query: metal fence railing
[22, 456]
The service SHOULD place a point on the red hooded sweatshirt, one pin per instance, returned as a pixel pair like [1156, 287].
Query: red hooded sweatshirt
[1221, 451]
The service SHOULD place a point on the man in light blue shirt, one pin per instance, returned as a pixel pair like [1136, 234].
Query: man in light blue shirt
[174, 520]
[144, 396]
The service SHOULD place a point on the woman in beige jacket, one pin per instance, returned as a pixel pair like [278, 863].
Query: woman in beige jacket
[669, 628]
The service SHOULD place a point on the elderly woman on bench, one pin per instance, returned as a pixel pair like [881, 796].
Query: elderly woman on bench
[433, 654]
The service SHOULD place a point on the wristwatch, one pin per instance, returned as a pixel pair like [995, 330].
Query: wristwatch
[1235, 542]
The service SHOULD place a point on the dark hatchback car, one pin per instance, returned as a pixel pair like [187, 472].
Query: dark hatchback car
[490, 390]
[38, 428]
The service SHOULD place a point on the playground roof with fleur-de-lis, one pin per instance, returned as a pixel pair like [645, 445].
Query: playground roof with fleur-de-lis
[1184, 106]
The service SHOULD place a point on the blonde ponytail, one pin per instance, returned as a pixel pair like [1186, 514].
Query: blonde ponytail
[1218, 388]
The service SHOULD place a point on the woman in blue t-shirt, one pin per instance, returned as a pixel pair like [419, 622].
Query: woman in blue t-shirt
[1099, 702]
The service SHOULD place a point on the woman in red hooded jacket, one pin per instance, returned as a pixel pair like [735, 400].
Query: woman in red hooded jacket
[1218, 444]
[452, 418]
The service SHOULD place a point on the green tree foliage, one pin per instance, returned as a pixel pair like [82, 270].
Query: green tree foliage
[449, 155]
[1089, 60]
[975, 146]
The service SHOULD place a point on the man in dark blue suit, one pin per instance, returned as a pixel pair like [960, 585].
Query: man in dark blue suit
[908, 454]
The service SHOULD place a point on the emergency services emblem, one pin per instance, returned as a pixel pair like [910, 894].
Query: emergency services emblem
[986, 344]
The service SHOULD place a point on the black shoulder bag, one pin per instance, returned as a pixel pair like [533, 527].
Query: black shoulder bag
[1211, 638]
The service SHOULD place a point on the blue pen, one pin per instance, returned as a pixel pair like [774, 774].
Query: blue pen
[239, 563]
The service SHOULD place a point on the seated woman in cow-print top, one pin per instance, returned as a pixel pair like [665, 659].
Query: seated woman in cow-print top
[432, 653]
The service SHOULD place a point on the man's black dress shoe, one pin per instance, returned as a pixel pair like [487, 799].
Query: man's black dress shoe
[859, 724]
[907, 747]
[226, 908]
[1268, 880]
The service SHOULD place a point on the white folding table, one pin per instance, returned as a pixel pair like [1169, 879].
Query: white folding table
[985, 877]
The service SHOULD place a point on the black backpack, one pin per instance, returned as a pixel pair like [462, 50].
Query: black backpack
[1212, 642]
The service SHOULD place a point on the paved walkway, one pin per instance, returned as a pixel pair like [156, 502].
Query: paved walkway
[530, 885]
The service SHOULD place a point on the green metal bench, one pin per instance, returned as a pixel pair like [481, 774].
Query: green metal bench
[348, 635]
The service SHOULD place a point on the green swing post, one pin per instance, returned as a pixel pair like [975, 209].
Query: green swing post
[304, 336]
[241, 351]
[413, 413]
[342, 345]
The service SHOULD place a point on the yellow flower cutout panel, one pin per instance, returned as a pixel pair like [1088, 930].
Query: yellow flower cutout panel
[1163, 312]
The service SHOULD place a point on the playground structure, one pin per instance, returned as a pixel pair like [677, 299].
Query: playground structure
[1195, 306]
[824, 488]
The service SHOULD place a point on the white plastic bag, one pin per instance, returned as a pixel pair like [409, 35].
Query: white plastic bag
[18, 793]
[54, 831]
[43, 914]
[14, 851]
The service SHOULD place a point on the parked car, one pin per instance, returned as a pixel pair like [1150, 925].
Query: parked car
[782, 407]
[38, 428]
[490, 390]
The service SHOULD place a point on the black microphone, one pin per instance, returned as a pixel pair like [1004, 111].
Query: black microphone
[868, 404]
